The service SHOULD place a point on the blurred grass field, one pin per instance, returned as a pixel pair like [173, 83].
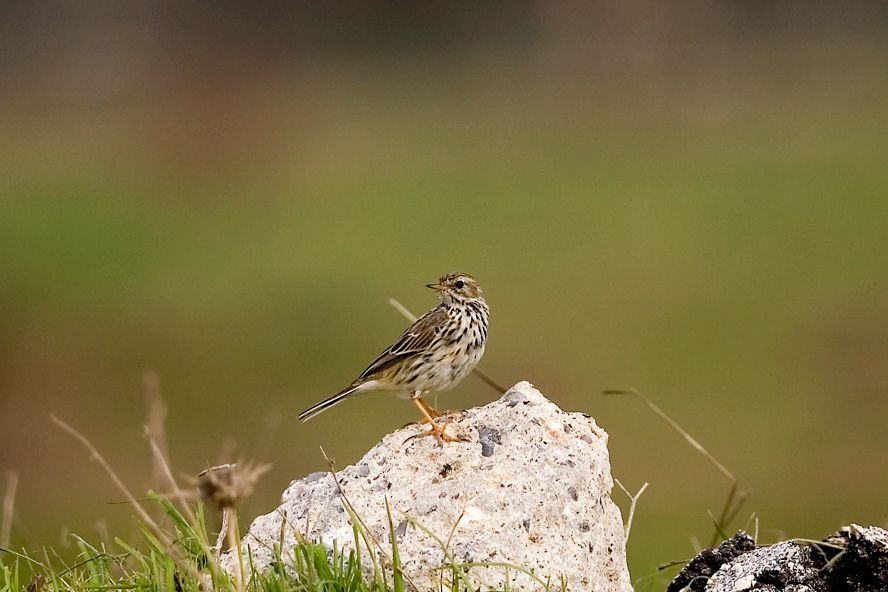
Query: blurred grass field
[712, 233]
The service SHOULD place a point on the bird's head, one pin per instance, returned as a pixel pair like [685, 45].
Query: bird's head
[459, 287]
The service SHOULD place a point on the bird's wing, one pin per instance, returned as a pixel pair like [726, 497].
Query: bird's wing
[416, 339]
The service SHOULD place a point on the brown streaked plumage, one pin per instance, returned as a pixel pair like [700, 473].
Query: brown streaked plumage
[433, 354]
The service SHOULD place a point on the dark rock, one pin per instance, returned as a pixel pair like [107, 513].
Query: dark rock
[863, 565]
[698, 571]
[489, 438]
[855, 559]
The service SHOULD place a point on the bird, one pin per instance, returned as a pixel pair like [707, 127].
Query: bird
[434, 354]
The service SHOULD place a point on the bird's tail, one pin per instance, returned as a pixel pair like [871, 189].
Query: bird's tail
[319, 408]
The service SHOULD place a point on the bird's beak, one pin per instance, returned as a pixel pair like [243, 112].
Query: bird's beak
[438, 287]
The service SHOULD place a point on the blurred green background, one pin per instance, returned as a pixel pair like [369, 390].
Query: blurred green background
[688, 199]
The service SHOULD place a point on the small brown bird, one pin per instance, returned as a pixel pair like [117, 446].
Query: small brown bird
[434, 354]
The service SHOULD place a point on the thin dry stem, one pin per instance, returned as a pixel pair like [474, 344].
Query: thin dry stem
[8, 507]
[223, 532]
[674, 425]
[96, 456]
[101, 528]
[447, 546]
[633, 500]
[731, 507]
[476, 371]
[163, 467]
[156, 424]
[453, 530]
[234, 543]
[143, 515]
[735, 501]
[155, 433]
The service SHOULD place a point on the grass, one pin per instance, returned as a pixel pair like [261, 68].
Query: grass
[175, 550]
[188, 564]
[178, 556]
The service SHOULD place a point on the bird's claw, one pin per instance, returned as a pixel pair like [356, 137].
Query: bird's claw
[439, 432]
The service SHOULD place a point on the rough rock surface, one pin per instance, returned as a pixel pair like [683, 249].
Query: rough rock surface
[768, 569]
[530, 487]
[863, 566]
[696, 573]
[855, 559]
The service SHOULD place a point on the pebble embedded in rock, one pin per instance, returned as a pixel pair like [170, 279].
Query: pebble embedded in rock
[489, 438]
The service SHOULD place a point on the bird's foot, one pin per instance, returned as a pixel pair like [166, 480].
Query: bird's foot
[439, 431]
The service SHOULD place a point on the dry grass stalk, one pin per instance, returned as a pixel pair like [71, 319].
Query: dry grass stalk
[8, 507]
[166, 541]
[633, 501]
[155, 427]
[735, 499]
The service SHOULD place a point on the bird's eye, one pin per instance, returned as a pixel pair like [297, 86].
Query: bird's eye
[459, 284]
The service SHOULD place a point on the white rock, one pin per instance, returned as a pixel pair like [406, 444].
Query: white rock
[743, 583]
[781, 565]
[531, 488]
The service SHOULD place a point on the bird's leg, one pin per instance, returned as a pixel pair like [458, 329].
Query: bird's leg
[436, 413]
[429, 410]
[436, 430]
